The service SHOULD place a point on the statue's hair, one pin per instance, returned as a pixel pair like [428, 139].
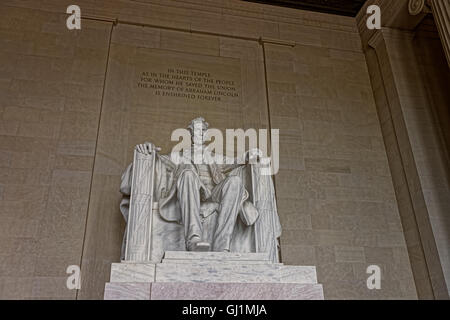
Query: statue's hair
[199, 119]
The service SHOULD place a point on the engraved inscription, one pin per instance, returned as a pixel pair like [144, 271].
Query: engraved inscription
[188, 84]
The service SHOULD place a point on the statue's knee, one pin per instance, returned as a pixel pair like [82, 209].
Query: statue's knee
[188, 176]
[234, 181]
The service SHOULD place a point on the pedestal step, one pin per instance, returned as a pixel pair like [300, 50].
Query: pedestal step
[212, 291]
[241, 273]
[132, 272]
[215, 256]
[248, 262]
[212, 272]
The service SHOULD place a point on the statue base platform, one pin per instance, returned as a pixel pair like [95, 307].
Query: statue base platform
[184, 275]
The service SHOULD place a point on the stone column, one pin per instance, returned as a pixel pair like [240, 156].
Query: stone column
[399, 103]
[441, 14]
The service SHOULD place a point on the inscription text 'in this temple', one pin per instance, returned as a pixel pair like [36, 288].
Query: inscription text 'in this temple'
[189, 84]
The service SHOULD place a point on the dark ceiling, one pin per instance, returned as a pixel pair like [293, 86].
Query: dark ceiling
[340, 7]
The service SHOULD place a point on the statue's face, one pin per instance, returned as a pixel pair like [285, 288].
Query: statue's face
[198, 134]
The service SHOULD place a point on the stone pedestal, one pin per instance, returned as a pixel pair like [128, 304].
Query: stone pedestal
[212, 276]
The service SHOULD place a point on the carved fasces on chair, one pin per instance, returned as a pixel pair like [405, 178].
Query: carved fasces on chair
[141, 202]
[266, 226]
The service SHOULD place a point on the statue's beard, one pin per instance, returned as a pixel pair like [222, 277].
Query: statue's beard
[199, 144]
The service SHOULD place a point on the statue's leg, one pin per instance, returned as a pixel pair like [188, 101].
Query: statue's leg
[188, 194]
[229, 194]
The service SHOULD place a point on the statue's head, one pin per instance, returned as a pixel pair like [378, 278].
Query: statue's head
[197, 128]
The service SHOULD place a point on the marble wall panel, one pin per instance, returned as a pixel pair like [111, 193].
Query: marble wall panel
[49, 121]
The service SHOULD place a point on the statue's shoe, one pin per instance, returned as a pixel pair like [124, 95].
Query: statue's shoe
[199, 246]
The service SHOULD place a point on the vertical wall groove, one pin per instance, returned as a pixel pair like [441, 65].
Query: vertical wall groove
[95, 153]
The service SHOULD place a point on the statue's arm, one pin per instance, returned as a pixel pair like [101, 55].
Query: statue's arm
[229, 168]
[231, 164]
[252, 156]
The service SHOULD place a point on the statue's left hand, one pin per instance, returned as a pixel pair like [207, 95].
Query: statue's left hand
[253, 156]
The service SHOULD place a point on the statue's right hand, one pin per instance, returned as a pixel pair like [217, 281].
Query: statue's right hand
[145, 148]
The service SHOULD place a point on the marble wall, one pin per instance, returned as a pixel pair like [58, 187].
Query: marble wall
[74, 104]
[51, 83]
